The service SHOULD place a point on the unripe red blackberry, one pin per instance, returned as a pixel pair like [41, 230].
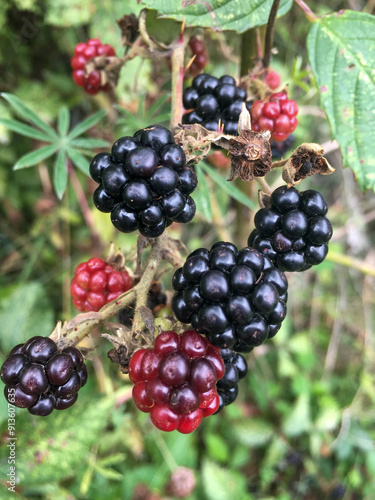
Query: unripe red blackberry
[144, 182]
[41, 378]
[83, 52]
[275, 113]
[96, 283]
[294, 231]
[176, 380]
[236, 298]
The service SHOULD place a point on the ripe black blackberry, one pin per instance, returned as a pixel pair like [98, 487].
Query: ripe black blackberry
[294, 232]
[235, 370]
[211, 99]
[41, 378]
[236, 298]
[144, 182]
[279, 149]
[156, 299]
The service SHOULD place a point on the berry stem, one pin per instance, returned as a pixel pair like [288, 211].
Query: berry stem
[263, 183]
[269, 33]
[177, 83]
[306, 9]
[148, 276]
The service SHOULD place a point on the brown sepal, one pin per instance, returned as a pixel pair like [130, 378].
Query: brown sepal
[128, 25]
[264, 199]
[250, 154]
[306, 160]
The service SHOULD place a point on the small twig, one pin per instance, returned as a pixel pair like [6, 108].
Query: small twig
[306, 9]
[347, 261]
[82, 200]
[269, 33]
[263, 183]
[177, 81]
[258, 38]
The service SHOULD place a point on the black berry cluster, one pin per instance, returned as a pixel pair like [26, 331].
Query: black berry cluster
[236, 298]
[235, 370]
[156, 299]
[41, 378]
[144, 182]
[211, 99]
[294, 232]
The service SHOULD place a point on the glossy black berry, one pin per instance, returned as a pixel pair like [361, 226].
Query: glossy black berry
[137, 195]
[173, 204]
[114, 179]
[12, 368]
[219, 100]
[164, 180]
[59, 369]
[173, 156]
[156, 137]
[230, 296]
[188, 180]
[121, 148]
[293, 232]
[44, 406]
[152, 215]
[124, 219]
[104, 201]
[98, 165]
[33, 379]
[141, 162]
[155, 230]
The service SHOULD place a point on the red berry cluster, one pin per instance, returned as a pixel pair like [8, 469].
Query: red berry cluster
[273, 79]
[83, 52]
[176, 380]
[198, 49]
[277, 114]
[96, 283]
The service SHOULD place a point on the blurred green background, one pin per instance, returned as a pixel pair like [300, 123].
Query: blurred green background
[303, 424]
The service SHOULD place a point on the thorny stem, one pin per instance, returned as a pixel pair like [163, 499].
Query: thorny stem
[306, 9]
[269, 33]
[83, 324]
[177, 82]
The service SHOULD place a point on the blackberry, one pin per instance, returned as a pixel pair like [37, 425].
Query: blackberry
[144, 182]
[235, 370]
[294, 231]
[210, 100]
[41, 378]
[231, 296]
[279, 149]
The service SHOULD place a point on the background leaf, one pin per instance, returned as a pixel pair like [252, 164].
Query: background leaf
[60, 174]
[35, 157]
[235, 15]
[342, 55]
[86, 124]
[223, 484]
[201, 195]
[79, 160]
[26, 130]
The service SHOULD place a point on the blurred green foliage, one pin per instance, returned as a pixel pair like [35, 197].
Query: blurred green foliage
[303, 424]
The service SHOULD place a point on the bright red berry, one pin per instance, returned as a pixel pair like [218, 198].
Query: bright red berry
[83, 52]
[277, 114]
[96, 283]
[176, 380]
[273, 79]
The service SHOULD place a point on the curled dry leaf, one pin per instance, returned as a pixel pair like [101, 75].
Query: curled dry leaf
[264, 199]
[128, 25]
[306, 160]
[250, 154]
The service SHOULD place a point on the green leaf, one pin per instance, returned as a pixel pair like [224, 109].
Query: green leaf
[109, 473]
[63, 121]
[35, 157]
[28, 114]
[253, 433]
[79, 161]
[163, 30]
[60, 174]
[89, 143]
[223, 484]
[23, 129]
[217, 447]
[202, 195]
[228, 187]
[298, 421]
[24, 313]
[86, 124]
[341, 49]
[58, 445]
[235, 15]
